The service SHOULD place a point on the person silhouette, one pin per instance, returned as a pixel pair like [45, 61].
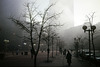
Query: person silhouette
[69, 57]
[64, 52]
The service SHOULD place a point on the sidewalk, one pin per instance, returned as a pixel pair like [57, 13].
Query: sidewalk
[60, 61]
[57, 61]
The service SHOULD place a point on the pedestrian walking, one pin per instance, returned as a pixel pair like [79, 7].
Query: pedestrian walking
[64, 52]
[69, 57]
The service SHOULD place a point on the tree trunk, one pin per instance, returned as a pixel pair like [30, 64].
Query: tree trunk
[56, 49]
[35, 57]
[52, 51]
[48, 50]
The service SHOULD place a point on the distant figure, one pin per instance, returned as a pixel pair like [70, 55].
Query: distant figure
[69, 57]
[64, 52]
[60, 50]
[17, 52]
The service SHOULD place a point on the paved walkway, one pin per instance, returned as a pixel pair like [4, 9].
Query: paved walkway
[57, 61]
[60, 61]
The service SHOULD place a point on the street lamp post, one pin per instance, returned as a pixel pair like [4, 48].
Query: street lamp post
[90, 31]
[6, 41]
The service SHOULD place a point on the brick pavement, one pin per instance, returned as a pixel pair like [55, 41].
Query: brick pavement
[57, 61]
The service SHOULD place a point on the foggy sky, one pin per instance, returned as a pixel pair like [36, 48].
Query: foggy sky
[67, 16]
[10, 8]
[86, 7]
[73, 12]
[15, 7]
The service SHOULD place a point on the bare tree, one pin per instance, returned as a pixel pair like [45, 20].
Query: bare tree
[53, 35]
[35, 27]
[48, 37]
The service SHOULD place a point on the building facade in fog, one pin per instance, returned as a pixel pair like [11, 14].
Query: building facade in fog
[7, 28]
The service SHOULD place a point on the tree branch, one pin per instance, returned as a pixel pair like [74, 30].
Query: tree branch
[17, 22]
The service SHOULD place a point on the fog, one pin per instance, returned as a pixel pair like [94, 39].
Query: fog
[73, 14]
[18, 48]
[10, 8]
[86, 7]
[67, 16]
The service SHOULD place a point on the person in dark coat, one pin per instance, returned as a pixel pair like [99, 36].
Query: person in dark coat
[69, 57]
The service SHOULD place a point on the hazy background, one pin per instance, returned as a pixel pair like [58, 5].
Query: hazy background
[73, 17]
